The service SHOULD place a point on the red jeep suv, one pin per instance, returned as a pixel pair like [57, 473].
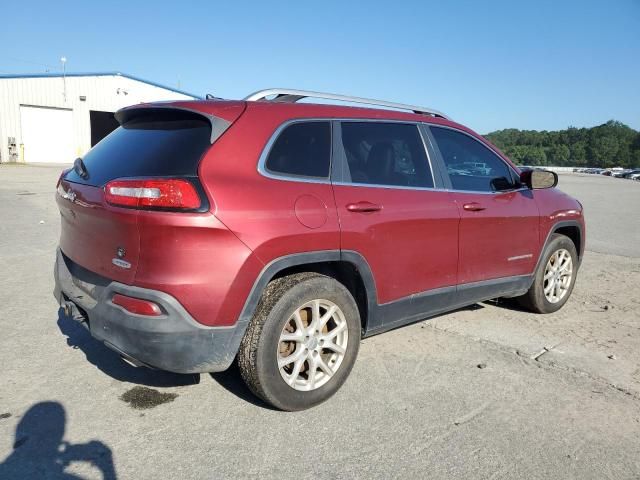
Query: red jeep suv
[280, 233]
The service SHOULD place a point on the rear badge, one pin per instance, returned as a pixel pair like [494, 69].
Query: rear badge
[120, 263]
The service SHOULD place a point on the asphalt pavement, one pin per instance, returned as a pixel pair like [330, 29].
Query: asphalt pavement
[489, 391]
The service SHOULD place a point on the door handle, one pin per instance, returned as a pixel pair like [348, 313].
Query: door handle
[473, 207]
[364, 207]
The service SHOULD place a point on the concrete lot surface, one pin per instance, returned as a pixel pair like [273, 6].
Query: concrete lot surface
[486, 392]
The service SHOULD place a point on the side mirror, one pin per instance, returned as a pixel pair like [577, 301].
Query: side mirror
[537, 179]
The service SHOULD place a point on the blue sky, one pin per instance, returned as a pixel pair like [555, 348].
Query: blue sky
[488, 64]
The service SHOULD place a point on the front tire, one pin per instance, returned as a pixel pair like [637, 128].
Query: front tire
[555, 277]
[302, 342]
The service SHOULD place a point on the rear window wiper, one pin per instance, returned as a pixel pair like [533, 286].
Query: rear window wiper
[80, 168]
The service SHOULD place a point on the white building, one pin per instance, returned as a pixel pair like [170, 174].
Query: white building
[55, 118]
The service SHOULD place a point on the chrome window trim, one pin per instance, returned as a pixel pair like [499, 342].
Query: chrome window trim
[262, 160]
[480, 192]
[265, 172]
[424, 146]
[499, 157]
[302, 179]
[394, 187]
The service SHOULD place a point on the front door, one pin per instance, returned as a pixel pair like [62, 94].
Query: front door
[499, 220]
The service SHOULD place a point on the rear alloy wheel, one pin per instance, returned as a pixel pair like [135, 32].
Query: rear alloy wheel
[312, 345]
[555, 277]
[302, 341]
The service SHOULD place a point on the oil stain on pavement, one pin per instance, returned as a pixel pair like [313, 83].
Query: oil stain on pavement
[142, 398]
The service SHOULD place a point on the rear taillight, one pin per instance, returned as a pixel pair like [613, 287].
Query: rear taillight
[137, 305]
[62, 174]
[172, 193]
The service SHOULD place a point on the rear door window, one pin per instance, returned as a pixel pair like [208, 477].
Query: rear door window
[388, 154]
[302, 149]
[472, 166]
[158, 143]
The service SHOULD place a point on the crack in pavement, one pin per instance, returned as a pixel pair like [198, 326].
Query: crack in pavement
[550, 366]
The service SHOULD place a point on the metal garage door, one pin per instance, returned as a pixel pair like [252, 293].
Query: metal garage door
[47, 134]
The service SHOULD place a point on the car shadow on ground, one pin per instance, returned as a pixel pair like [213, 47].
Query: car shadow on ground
[508, 304]
[231, 380]
[108, 361]
[40, 451]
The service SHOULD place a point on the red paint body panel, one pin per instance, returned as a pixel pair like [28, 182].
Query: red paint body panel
[191, 256]
[502, 239]
[556, 206]
[91, 232]
[411, 244]
[196, 259]
[261, 210]
[418, 241]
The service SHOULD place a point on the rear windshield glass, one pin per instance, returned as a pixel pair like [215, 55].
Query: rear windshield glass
[153, 144]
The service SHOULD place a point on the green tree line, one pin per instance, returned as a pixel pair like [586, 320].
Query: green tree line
[612, 144]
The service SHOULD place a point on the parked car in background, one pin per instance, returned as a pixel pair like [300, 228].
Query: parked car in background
[620, 173]
[631, 172]
[278, 234]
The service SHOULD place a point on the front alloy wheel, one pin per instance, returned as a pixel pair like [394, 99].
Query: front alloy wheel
[558, 275]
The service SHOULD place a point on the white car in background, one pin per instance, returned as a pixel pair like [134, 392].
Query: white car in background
[620, 173]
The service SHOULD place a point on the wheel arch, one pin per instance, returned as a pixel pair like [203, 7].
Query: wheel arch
[573, 230]
[569, 228]
[347, 267]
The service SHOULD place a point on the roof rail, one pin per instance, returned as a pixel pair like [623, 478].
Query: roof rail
[292, 96]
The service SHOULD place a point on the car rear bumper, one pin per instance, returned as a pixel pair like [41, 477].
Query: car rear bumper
[173, 341]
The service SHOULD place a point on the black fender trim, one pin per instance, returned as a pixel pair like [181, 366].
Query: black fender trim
[402, 311]
[272, 268]
[269, 271]
[363, 268]
[277, 265]
[552, 230]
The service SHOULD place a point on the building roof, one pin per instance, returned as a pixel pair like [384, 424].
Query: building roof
[96, 74]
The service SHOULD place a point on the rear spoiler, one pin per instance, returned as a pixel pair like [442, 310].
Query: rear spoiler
[218, 125]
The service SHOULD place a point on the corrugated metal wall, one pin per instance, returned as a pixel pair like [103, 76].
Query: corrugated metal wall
[104, 93]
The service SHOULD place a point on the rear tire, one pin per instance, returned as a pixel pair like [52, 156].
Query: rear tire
[302, 342]
[555, 277]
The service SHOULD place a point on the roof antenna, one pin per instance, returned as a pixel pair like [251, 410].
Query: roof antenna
[209, 96]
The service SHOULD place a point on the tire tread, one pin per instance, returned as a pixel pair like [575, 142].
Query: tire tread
[248, 352]
[534, 300]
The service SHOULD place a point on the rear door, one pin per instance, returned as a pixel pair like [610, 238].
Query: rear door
[159, 143]
[499, 219]
[390, 210]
